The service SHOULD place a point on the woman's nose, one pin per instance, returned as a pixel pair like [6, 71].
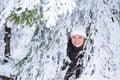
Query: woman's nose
[77, 40]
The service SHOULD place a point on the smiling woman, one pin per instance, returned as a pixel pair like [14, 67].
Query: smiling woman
[78, 36]
[74, 52]
[77, 40]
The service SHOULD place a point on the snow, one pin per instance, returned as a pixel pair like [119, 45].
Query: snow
[55, 9]
[19, 41]
[6, 69]
[40, 55]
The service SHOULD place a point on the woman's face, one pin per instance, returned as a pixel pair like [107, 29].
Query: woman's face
[77, 40]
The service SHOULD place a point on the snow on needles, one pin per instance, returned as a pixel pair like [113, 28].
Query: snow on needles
[53, 9]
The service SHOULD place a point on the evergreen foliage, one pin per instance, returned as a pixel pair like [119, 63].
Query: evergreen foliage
[28, 17]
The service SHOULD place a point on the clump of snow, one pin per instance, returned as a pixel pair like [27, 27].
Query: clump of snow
[6, 69]
[54, 9]
[20, 38]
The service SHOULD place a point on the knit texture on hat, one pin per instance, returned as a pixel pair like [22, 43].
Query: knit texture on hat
[79, 31]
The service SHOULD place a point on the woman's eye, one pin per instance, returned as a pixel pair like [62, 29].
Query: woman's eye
[73, 37]
[80, 37]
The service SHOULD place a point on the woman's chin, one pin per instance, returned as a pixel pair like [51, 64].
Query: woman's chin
[77, 45]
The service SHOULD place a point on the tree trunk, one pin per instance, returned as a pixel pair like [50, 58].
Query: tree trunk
[6, 78]
[7, 43]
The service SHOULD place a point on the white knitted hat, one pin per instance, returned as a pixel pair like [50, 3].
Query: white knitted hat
[79, 31]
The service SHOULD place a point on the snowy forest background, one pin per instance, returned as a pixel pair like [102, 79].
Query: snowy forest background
[34, 33]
